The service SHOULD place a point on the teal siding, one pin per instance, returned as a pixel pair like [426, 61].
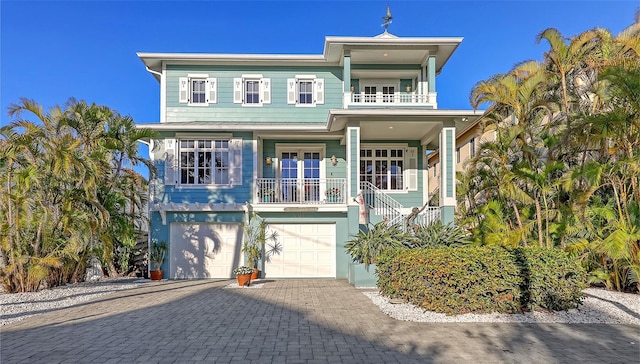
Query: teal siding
[450, 172]
[403, 85]
[356, 83]
[340, 169]
[332, 147]
[447, 214]
[277, 111]
[431, 73]
[225, 194]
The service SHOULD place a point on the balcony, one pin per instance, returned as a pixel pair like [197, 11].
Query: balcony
[301, 191]
[402, 99]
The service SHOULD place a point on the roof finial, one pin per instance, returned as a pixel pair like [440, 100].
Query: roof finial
[387, 19]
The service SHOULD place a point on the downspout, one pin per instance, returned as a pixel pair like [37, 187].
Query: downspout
[152, 71]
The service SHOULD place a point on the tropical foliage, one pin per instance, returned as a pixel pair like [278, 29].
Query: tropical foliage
[69, 192]
[563, 170]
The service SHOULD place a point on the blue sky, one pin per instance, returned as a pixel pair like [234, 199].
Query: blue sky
[53, 50]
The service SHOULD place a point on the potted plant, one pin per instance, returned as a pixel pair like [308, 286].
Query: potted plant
[333, 194]
[243, 274]
[255, 240]
[267, 194]
[157, 253]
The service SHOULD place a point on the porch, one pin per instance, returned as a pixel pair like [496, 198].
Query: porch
[301, 191]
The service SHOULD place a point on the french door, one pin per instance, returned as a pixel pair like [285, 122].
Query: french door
[300, 173]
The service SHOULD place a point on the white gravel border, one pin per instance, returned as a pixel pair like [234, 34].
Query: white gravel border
[599, 306]
[18, 306]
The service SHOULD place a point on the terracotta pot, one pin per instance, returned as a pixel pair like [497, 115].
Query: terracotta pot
[244, 279]
[255, 274]
[156, 275]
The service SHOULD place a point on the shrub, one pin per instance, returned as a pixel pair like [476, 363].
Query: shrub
[439, 234]
[550, 278]
[367, 246]
[481, 279]
[452, 280]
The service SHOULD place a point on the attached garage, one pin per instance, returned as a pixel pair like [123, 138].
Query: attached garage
[308, 251]
[204, 250]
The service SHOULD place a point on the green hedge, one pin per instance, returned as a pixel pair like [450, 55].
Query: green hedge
[481, 279]
[550, 278]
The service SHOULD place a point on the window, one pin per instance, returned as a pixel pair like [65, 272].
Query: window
[457, 155]
[472, 147]
[305, 95]
[252, 90]
[305, 90]
[198, 90]
[203, 162]
[383, 168]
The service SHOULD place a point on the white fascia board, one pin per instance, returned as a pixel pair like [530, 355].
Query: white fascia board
[406, 112]
[215, 126]
[153, 60]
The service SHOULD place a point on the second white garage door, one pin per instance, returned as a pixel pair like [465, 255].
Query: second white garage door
[204, 250]
[308, 250]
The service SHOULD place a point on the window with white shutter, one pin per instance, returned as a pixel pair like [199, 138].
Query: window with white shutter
[252, 90]
[208, 162]
[305, 90]
[198, 90]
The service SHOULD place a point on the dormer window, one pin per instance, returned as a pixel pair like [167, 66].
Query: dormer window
[305, 90]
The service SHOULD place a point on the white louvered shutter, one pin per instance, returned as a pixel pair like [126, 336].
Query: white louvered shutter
[235, 162]
[183, 90]
[319, 89]
[265, 87]
[412, 169]
[212, 90]
[291, 91]
[237, 91]
[170, 162]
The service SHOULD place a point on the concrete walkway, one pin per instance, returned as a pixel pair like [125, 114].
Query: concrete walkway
[289, 321]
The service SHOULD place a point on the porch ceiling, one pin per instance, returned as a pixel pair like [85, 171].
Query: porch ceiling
[422, 125]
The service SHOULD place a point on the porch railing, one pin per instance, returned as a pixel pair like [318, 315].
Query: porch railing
[381, 203]
[301, 191]
[394, 98]
[391, 210]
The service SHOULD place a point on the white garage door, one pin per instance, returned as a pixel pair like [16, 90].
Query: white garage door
[204, 250]
[308, 250]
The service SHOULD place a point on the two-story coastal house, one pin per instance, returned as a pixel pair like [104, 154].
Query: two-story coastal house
[301, 141]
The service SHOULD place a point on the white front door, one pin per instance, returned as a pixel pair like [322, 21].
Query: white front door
[307, 251]
[204, 250]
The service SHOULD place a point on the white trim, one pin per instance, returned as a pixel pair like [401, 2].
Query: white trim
[198, 75]
[350, 198]
[305, 77]
[203, 135]
[282, 207]
[252, 76]
[163, 94]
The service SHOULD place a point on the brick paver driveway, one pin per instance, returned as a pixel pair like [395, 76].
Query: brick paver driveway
[292, 321]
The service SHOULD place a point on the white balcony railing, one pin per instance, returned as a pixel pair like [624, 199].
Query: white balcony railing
[301, 191]
[397, 98]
